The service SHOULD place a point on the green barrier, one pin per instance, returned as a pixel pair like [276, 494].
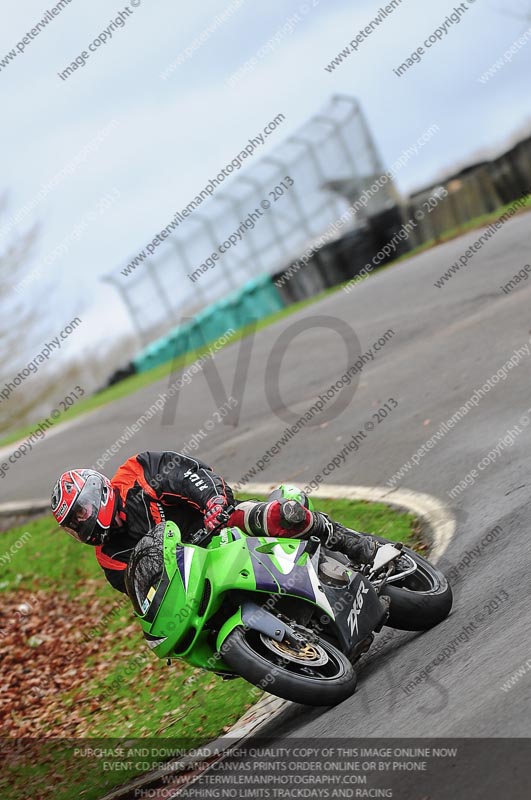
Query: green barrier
[271, 298]
[215, 321]
[178, 341]
[257, 299]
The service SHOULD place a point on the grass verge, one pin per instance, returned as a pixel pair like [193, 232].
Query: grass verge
[67, 635]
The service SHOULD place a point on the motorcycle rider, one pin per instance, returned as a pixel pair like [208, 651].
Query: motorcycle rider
[152, 487]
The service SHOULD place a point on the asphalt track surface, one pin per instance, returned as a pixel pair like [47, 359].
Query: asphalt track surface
[447, 343]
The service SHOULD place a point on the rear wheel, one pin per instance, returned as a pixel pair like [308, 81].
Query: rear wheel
[314, 673]
[421, 600]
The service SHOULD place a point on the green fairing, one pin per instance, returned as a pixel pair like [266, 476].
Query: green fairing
[226, 565]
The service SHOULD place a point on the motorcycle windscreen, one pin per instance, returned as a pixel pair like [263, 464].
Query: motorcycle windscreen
[145, 576]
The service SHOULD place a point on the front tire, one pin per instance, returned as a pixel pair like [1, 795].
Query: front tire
[252, 656]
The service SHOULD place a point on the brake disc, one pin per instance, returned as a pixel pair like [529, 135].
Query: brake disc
[307, 653]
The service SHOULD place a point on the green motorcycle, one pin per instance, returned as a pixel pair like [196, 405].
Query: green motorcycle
[287, 615]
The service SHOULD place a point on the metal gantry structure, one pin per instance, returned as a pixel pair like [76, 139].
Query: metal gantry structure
[334, 147]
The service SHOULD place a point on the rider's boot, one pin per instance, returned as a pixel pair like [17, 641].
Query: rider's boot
[356, 546]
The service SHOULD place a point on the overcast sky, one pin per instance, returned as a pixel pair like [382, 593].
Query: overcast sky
[169, 136]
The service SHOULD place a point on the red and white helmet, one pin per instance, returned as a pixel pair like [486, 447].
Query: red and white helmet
[84, 503]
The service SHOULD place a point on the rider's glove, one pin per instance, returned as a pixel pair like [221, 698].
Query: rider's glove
[214, 511]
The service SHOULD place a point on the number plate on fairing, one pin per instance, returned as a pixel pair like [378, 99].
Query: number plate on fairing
[358, 611]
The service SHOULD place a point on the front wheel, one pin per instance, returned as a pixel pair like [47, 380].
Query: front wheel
[312, 673]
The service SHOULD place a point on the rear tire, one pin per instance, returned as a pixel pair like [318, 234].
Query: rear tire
[422, 600]
[244, 651]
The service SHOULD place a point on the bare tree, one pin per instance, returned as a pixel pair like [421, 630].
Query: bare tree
[18, 317]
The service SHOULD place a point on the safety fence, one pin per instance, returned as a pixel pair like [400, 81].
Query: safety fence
[259, 220]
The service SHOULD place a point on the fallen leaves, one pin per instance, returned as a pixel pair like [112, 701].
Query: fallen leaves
[47, 660]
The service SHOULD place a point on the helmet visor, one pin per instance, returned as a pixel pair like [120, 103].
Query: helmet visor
[82, 519]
